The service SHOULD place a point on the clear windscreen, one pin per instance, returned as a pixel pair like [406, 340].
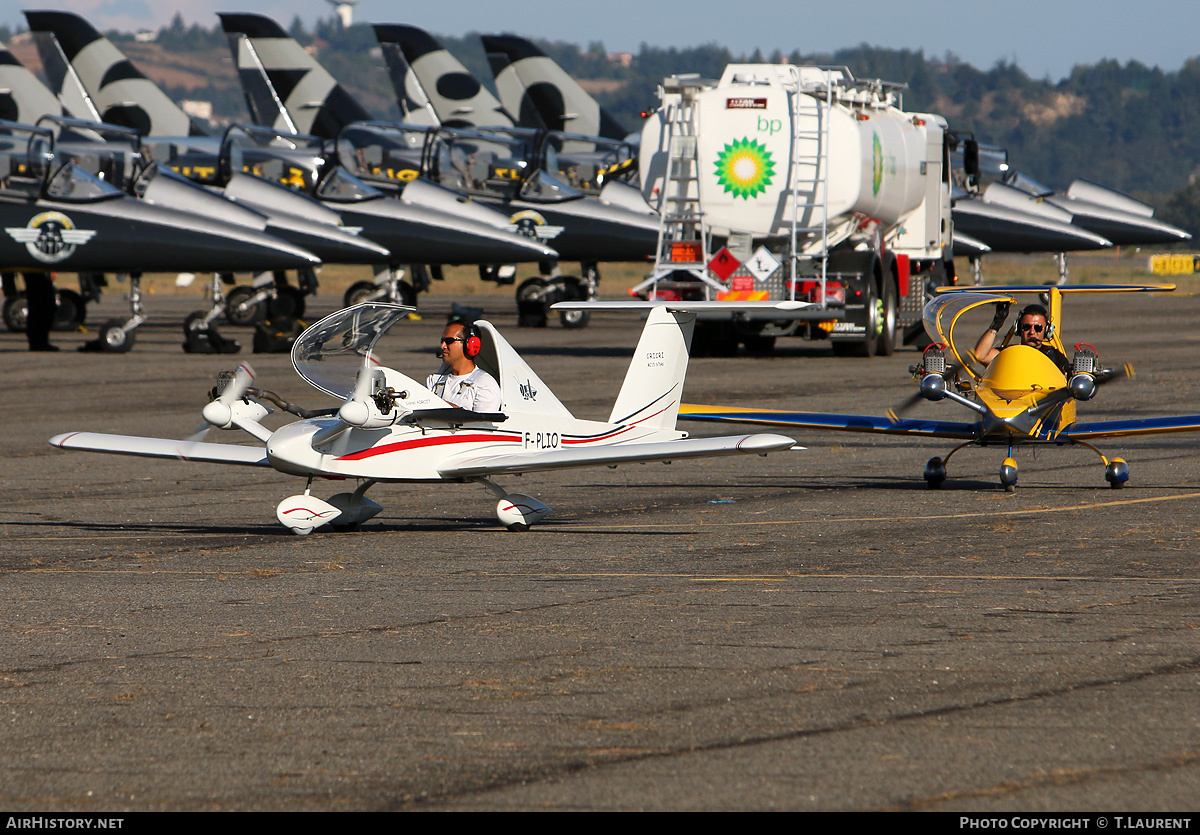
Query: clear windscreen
[330, 352]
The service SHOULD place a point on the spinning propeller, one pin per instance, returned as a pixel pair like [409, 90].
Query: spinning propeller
[228, 410]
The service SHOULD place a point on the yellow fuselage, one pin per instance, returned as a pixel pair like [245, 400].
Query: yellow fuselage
[1021, 377]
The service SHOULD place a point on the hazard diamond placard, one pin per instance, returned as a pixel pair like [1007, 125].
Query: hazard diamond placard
[723, 264]
[762, 264]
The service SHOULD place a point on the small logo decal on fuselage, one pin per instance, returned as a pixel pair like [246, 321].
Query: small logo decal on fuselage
[50, 237]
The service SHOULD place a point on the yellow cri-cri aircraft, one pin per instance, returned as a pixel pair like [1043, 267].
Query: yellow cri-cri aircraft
[1021, 397]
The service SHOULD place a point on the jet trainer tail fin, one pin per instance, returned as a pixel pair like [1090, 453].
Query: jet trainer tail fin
[22, 97]
[653, 385]
[95, 80]
[429, 79]
[540, 93]
[286, 89]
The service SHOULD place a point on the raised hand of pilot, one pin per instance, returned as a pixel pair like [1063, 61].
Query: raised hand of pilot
[1001, 315]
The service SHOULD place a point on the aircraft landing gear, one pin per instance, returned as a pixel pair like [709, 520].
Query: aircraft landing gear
[304, 513]
[388, 285]
[1008, 475]
[269, 295]
[536, 295]
[516, 511]
[117, 336]
[1116, 473]
[70, 311]
[935, 473]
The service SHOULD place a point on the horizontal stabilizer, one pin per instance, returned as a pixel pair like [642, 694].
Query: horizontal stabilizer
[843, 423]
[1144, 426]
[561, 459]
[162, 448]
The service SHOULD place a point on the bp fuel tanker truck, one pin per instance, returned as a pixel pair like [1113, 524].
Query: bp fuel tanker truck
[801, 183]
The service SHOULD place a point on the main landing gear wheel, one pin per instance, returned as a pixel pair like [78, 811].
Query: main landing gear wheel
[1008, 475]
[1116, 473]
[201, 338]
[935, 473]
[240, 309]
[288, 302]
[519, 512]
[16, 313]
[70, 311]
[531, 303]
[574, 290]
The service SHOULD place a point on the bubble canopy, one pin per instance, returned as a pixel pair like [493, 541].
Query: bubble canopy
[330, 352]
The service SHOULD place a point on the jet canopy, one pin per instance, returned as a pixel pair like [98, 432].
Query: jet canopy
[490, 163]
[30, 167]
[587, 162]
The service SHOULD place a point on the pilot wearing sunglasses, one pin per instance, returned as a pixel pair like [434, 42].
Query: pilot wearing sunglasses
[1033, 329]
[460, 382]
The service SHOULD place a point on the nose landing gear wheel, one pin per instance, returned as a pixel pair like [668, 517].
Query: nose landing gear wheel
[114, 339]
[1008, 475]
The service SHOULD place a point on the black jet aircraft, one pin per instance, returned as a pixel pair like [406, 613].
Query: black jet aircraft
[284, 86]
[89, 68]
[57, 217]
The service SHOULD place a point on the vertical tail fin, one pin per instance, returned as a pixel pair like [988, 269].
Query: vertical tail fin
[427, 74]
[22, 97]
[285, 87]
[653, 385]
[541, 93]
[95, 80]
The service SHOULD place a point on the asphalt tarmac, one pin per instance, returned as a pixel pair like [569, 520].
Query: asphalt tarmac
[814, 630]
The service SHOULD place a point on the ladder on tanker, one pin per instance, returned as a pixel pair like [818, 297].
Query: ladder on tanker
[809, 187]
[683, 236]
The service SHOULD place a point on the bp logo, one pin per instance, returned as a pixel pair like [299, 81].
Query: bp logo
[876, 163]
[532, 224]
[50, 237]
[745, 168]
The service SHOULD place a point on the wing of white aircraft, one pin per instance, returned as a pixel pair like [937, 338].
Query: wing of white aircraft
[562, 459]
[163, 448]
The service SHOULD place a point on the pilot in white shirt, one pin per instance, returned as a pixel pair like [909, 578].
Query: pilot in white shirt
[460, 382]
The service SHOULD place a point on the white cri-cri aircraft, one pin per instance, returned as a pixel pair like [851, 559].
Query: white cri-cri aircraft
[390, 428]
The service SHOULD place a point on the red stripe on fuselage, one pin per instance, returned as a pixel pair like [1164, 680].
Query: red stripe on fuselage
[424, 442]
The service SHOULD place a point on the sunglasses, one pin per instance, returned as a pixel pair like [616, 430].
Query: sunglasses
[450, 340]
[1031, 326]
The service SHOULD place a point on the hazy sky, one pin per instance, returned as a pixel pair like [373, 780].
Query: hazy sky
[1044, 37]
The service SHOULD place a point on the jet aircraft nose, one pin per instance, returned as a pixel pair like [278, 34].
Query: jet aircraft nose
[332, 244]
[421, 235]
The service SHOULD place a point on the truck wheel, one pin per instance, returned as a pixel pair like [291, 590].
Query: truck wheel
[758, 345]
[887, 316]
[866, 345]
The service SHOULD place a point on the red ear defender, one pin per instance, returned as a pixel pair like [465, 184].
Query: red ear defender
[474, 344]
